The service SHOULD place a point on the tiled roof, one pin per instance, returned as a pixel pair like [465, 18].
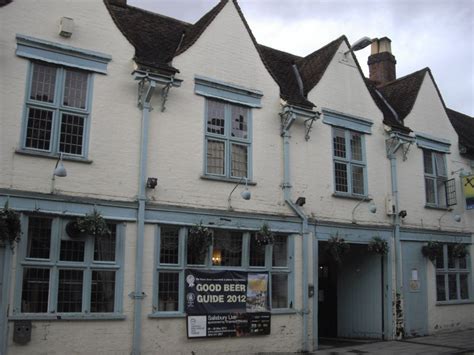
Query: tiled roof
[5, 2]
[464, 127]
[401, 94]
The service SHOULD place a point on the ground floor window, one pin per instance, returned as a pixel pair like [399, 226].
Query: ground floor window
[227, 250]
[452, 276]
[60, 274]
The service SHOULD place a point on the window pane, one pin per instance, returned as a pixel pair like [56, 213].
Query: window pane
[72, 134]
[239, 122]
[43, 83]
[38, 130]
[440, 165]
[440, 260]
[168, 291]
[280, 251]
[451, 258]
[430, 190]
[102, 291]
[215, 157]
[34, 296]
[357, 180]
[104, 246]
[440, 288]
[215, 117]
[72, 250]
[464, 286]
[227, 248]
[169, 244]
[339, 143]
[428, 162]
[75, 89]
[70, 291]
[441, 191]
[257, 252]
[452, 287]
[462, 263]
[279, 291]
[340, 173]
[356, 147]
[239, 160]
[39, 238]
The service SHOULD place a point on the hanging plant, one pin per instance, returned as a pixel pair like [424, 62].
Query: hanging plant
[378, 245]
[91, 224]
[10, 226]
[264, 236]
[460, 250]
[432, 250]
[337, 247]
[199, 241]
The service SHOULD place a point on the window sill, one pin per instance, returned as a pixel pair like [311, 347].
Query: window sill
[433, 207]
[454, 302]
[352, 197]
[167, 315]
[52, 317]
[53, 156]
[283, 311]
[226, 179]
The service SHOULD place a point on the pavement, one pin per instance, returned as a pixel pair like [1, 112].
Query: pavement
[459, 342]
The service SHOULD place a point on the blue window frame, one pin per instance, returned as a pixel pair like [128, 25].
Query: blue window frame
[57, 110]
[227, 140]
[63, 277]
[452, 276]
[350, 166]
[230, 249]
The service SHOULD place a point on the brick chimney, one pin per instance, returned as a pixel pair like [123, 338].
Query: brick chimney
[381, 61]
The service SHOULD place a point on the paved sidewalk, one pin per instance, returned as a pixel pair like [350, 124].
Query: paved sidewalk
[460, 342]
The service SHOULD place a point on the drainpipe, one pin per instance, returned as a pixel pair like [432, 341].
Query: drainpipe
[304, 226]
[146, 88]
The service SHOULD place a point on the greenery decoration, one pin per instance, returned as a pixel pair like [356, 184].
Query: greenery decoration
[199, 241]
[10, 226]
[91, 224]
[432, 250]
[378, 245]
[460, 250]
[264, 236]
[337, 247]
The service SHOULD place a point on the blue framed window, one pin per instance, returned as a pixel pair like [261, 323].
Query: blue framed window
[227, 140]
[452, 276]
[57, 110]
[230, 249]
[67, 277]
[436, 179]
[350, 166]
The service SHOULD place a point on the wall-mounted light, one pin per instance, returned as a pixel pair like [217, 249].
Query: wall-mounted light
[372, 207]
[361, 43]
[246, 195]
[151, 182]
[456, 218]
[59, 170]
[300, 201]
[402, 213]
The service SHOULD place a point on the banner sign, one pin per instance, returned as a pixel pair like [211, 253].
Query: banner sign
[468, 189]
[226, 303]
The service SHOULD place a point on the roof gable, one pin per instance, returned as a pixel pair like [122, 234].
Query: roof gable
[464, 127]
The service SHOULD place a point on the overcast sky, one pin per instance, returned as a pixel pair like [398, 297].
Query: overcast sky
[425, 33]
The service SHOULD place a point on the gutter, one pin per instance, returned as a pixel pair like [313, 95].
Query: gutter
[146, 87]
[288, 117]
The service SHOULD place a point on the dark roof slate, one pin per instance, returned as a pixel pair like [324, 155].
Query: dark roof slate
[464, 127]
[401, 94]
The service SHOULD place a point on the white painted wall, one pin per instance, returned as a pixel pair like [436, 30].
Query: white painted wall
[115, 123]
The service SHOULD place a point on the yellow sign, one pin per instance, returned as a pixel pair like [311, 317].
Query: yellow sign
[468, 189]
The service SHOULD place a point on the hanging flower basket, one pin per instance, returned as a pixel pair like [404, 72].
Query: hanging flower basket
[10, 226]
[336, 248]
[460, 250]
[199, 241]
[432, 250]
[264, 236]
[378, 245]
[91, 224]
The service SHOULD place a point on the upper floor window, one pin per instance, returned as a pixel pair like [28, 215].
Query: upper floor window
[228, 142]
[452, 275]
[57, 110]
[68, 276]
[439, 191]
[350, 167]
